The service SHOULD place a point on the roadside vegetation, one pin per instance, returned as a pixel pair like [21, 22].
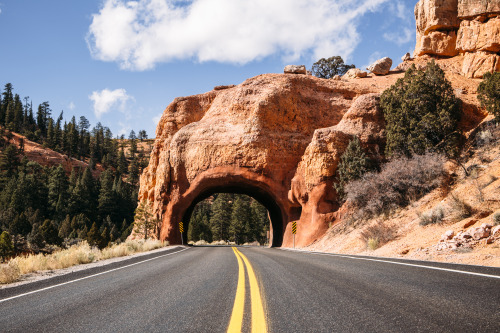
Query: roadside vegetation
[42, 208]
[81, 253]
[226, 218]
[422, 116]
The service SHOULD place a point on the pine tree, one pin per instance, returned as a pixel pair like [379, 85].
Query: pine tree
[18, 114]
[145, 223]
[107, 198]
[49, 233]
[260, 221]
[353, 164]
[42, 118]
[93, 236]
[133, 177]
[35, 238]
[221, 216]
[122, 163]
[9, 161]
[489, 93]
[65, 228]
[58, 191]
[20, 225]
[104, 238]
[240, 218]
[6, 246]
[84, 197]
[422, 113]
[7, 98]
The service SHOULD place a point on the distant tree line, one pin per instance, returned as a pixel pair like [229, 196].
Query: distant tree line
[44, 205]
[231, 217]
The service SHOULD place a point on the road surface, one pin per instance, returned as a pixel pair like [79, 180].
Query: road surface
[250, 289]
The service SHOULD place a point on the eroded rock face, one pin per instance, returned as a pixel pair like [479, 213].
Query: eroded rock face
[473, 8]
[249, 138]
[477, 63]
[470, 28]
[437, 22]
[478, 36]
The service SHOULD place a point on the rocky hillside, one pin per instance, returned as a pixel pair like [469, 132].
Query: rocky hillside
[280, 137]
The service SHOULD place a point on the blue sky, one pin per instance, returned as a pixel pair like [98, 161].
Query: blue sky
[122, 62]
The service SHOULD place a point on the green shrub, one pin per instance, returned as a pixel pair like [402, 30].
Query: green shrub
[328, 68]
[353, 164]
[422, 113]
[488, 93]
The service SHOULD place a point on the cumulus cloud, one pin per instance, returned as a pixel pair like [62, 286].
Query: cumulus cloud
[140, 34]
[106, 100]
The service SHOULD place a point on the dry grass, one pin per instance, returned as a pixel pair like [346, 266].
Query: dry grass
[376, 235]
[432, 216]
[80, 253]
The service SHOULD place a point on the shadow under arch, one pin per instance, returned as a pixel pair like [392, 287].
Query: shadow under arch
[239, 184]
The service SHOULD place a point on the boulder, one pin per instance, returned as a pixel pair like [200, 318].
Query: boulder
[295, 69]
[479, 233]
[477, 36]
[381, 66]
[476, 64]
[354, 73]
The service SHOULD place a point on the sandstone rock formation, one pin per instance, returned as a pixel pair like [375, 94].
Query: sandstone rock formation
[250, 139]
[295, 69]
[470, 28]
[381, 66]
[437, 22]
[355, 73]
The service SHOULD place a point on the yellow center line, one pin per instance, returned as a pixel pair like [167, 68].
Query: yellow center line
[239, 301]
[259, 324]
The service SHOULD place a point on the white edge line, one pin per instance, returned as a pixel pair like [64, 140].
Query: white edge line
[396, 263]
[88, 277]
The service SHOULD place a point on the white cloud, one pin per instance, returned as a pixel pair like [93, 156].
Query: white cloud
[105, 100]
[156, 119]
[400, 37]
[71, 106]
[140, 34]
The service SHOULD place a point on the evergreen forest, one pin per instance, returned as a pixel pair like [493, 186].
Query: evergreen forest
[230, 217]
[40, 205]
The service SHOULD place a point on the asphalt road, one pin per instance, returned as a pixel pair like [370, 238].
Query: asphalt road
[195, 290]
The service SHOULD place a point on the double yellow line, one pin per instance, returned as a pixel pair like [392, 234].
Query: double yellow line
[258, 318]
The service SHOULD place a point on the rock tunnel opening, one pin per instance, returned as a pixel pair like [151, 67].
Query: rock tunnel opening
[275, 213]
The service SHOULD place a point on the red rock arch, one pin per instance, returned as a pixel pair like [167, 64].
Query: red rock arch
[231, 180]
[275, 137]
